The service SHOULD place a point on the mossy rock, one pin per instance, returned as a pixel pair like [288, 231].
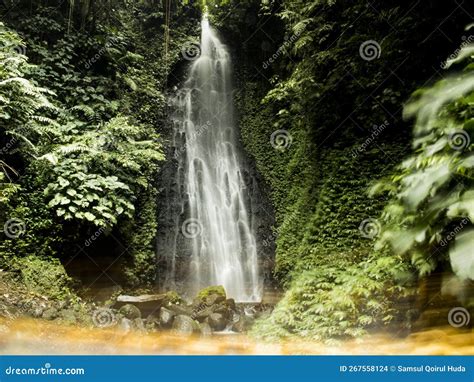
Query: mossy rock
[212, 290]
[45, 276]
[130, 311]
[173, 297]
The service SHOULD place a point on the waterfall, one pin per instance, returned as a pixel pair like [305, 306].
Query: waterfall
[215, 218]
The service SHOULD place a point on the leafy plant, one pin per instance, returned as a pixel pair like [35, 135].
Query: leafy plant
[432, 193]
[24, 106]
[83, 188]
[339, 302]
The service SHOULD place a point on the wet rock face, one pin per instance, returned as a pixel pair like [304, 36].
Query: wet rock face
[211, 311]
[185, 325]
[217, 321]
[166, 317]
[130, 311]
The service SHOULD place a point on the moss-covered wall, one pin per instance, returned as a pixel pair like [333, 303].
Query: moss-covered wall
[341, 114]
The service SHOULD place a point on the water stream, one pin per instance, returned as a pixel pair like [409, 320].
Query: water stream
[214, 218]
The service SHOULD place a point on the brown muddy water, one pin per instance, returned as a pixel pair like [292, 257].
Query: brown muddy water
[28, 336]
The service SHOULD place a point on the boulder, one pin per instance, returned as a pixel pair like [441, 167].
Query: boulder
[125, 325]
[50, 314]
[206, 329]
[241, 323]
[166, 317]
[230, 302]
[152, 323]
[214, 299]
[130, 311]
[139, 325]
[68, 316]
[180, 309]
[149, 303]
[185, 325]
[209, 291]
[217, 321]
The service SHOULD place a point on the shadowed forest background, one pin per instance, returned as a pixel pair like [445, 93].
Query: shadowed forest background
[356, 122]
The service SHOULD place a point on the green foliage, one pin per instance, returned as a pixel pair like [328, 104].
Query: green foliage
[45, 276]
[432, 193]
[90, 197]
[83, 189]
[91, 166]
[206, 292]
[23, 104]
[139, 233]
[328, 99]
[338, 302]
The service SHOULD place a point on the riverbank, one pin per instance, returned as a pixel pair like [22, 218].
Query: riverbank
[30, 336]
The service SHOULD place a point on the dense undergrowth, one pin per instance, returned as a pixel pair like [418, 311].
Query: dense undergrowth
[324, 122]
[83, 105]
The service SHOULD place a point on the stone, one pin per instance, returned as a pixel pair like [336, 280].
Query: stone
[241, 323]
[68, 316]
[149, 303]
[166, 317]
[37, 311]
[230, 302]
[211, 290]
[214, 299]
[217, 321]
[125, 325]
[185, 325]
[180, 309]
[50, 314]
[152, 323]
[130, 311]
[206, 329]
[139, 325]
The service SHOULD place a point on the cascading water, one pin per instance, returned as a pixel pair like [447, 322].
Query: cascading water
[214, 218]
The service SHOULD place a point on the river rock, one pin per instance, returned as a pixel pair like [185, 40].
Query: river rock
[214, 299]
[130, 311]
[210, 291]
[125, 325]
[166, 317]
[68, 316]
[241, 323]
[230, 302]
[206, 329]
[50, 314]
[36, 311]
[139, 325]
[149, 303]
[217, 321]
[152, 323]
[185, 325]
[180, 309]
